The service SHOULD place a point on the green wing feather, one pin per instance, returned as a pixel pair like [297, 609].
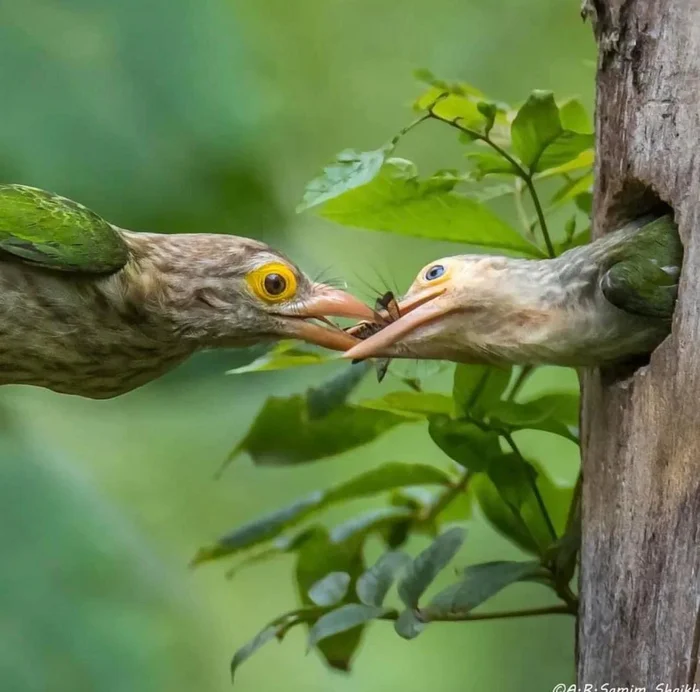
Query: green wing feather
[54, 232]
[643, 279]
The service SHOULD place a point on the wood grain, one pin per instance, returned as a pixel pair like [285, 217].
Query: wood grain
[640, 561]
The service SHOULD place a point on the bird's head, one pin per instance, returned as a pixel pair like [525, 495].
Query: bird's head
[464, 308]
[224, 290]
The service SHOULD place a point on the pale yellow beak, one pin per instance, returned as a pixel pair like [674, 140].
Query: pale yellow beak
[332, 302]
[416, 310]
[328, 302]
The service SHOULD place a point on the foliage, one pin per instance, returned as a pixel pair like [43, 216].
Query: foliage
[545, 143]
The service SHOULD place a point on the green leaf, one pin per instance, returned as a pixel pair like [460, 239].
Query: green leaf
[514, 480]
[327, 397]
[478, 584]
[331, 589]
[455, 88]
[538, 137]
[490, 111]
[380, 479]
[318, 557]
[501, 516]
[276, 629]
[563, 555]
[345, 618]
[421, 404]
[245, 652]
[563, 149]
[298, 438]
[535, 127]
[351, 169]
[423, 570]
[490, 192]
[463, 105]
[260, 530]
[584, 202]
[396, 201]
[579, 239]
[415, 497]
[386, 477]
[557, 499]
[374, 584]
[459, 510]
[423, 74]
[574, 116]
[461, 108]
[485, 163]
[554, 413]
[285, 354]
[373, 521]
[280, 546]
[583, 161]
[408, 625]
[570, 228]
[397, 534]
[573, 188]
[477, 388]
[564, 406]
[464, 442]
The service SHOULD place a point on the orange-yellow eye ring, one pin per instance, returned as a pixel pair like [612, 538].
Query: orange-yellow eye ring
[273, 283]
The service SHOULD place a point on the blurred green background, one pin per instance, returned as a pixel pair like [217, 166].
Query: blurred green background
[211, 115]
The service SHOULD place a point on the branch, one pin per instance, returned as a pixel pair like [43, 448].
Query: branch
[497, 615]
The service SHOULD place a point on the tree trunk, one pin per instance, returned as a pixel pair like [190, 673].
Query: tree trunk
[640, 559]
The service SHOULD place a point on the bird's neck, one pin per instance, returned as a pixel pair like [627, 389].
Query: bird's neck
[554, 312]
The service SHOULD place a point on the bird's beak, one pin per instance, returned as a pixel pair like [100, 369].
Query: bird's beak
[328, 302]
[332, 302]
[415, 310]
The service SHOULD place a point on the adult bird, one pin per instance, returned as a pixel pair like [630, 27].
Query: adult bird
[592, 305]
[91, 309]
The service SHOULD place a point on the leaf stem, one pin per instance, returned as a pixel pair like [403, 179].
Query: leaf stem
[540, 214]
[521, 171]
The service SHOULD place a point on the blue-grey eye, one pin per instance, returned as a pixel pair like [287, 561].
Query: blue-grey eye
[435, 272]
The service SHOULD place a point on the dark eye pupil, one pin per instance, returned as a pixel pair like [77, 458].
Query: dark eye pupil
[275, 284]
[435, 272]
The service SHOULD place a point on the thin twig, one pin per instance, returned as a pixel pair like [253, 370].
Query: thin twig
[540, 215]
[498, 615]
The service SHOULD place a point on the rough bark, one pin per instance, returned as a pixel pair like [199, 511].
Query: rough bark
[640, 561]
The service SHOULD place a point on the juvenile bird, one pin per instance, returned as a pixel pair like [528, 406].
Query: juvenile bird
[592, 305]
[91, 309]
